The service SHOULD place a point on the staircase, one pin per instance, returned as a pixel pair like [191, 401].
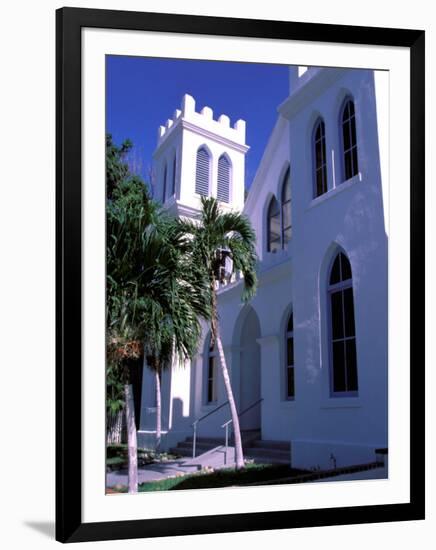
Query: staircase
[256, 449]
[204, 444]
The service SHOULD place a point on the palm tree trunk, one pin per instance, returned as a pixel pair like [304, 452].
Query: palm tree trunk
[216, 337]
[239, 455]
[132, 444]
[158, 409]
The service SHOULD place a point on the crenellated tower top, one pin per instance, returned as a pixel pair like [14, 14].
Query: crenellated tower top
[203, 119]
[196, 156]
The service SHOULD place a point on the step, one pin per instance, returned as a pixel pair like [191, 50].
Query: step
[199, 448]
[187, 451]
[268, 444]
[205, 440]
[268, 451]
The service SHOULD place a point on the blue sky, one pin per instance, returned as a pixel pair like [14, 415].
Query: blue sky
[142, 93]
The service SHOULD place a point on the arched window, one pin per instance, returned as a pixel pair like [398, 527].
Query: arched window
[211, 380]
[319, 159]
[223, 189]
[202, 172]
[164, 187]
[273, 228]
[173, 186]
[289, 358]
[349, 140]
[286, 209]
[343, 332]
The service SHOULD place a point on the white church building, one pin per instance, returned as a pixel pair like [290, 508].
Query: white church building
[308, 355]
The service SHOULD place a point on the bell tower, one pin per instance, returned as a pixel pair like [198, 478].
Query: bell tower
[197, 155]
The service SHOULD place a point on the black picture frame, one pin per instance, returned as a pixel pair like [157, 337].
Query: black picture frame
[69, 525]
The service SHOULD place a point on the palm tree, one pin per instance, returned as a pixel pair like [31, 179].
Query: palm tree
[232, 233]
[155, 296]
[129, 211]
[175, 295]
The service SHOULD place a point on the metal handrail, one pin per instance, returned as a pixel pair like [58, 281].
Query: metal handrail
[227, 424]
[194, 425]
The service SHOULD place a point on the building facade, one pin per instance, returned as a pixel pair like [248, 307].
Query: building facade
[308, 355]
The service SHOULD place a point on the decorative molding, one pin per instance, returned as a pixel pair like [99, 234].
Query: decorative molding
[214, 137]
[310, 90]
[269, 339]
[183, 124]
[341, 403]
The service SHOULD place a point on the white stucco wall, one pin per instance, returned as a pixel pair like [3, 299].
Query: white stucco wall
[349, 215]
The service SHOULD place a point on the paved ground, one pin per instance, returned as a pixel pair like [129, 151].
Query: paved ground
[375, 473]
[215, 458]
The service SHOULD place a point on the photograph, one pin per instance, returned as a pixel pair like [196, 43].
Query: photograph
[218, 303]
[247, 240]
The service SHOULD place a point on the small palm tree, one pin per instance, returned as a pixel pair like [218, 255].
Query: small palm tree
[232, 232]
[175, 294]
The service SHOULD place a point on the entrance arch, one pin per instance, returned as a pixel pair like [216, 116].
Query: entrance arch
[249, 371]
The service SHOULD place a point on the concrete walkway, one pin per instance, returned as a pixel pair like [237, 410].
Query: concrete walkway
[215, 458]
[374, 473]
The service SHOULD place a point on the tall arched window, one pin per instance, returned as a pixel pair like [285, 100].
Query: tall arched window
[223, 189]
[289, 358]
[202, 172]
[173, 186]
[319, 159]
[286, 209]
[164, 186]
[273, 227]
[211, 380]
[343, 332]
[349, 140]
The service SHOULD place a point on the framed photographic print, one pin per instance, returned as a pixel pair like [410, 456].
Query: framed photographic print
[240, 274]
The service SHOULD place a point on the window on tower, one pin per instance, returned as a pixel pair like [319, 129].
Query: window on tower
[202, 172]
[223, 188]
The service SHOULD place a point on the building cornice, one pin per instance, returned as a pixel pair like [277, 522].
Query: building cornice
[190, 126]
[214, 137]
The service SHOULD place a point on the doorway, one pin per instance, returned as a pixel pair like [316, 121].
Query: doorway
[250, 386]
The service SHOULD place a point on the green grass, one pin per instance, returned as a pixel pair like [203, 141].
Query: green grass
[115, 461]
[250, 475]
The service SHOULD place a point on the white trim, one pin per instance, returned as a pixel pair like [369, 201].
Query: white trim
[319, 80]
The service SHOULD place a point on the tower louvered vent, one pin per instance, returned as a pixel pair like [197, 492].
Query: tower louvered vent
[223, 179]
[202, 173]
